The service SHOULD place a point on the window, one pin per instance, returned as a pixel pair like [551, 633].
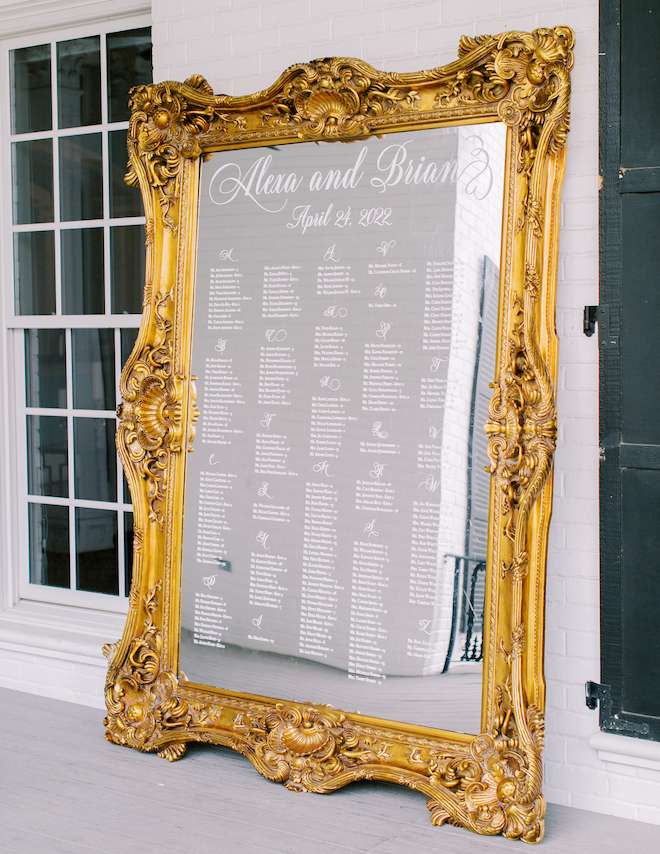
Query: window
[76, 263]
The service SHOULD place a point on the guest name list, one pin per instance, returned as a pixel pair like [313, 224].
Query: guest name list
[323, 332]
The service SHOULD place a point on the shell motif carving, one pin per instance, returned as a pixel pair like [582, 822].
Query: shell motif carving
[305, 748]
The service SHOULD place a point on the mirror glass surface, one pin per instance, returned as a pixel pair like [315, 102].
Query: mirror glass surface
[336, 505]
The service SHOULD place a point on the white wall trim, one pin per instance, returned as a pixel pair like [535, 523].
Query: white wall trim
[26, 17]
[626, 751]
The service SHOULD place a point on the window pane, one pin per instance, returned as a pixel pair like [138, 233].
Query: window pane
[34, 272]
[93, 368]
[96, 551]
[128, 551]
[31, 101]
[45, 368]
[79, 82]
[48, 456]
[95, 458]
[129, 64]
[82, 271]
[127, 255]
[32, 163]
[124, 200]
[49, 545]
[81, 177]
[128, 339]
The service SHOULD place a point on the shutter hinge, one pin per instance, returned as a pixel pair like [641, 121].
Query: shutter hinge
[595, 693]
[599, 314]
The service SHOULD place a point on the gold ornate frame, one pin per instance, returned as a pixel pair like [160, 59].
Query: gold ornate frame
[491, 782]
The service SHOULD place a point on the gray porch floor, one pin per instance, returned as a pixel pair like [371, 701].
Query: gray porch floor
[65, 790]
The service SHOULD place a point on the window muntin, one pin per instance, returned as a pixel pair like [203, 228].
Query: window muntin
[69, 211]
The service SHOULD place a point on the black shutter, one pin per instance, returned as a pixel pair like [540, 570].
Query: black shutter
[630, 366]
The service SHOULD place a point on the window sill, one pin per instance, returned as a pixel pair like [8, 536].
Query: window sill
[59, 631]
[626, 751]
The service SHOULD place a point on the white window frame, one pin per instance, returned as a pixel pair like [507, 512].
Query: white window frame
[16, 588]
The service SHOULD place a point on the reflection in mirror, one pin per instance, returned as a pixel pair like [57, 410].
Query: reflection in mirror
[337, 503]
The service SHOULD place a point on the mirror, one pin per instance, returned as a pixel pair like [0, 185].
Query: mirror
[336, 506]
[338, 571]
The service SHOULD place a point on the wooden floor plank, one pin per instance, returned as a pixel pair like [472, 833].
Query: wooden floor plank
[65, 790]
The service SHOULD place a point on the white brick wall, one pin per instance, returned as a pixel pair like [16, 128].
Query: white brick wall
[243, 46]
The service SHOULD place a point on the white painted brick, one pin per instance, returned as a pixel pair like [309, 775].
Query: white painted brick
[364, 24]
[578, 752]
[40, 674]
[438, 38]
[556, 697]
[248, 44]
[308, 33]
[649, 774]
[230, 67]
[238, 20]
[196, 7]
[583, 17]
[202, 49]
[556, 796]
[275, 62]
[182, 29]
[648, 814]
[166, 9]
[609, 806]
[642, 792]
[576, 777]
[580, 377]
[578, 564]
[582, 537]
[10, 668]
[555, 642]
[554, 750]
[425, 15]
[290, 11]
[496, 23]
[175, 57]
[391, 45]
[578, 404]
[581, 267]
[566, 616]
[582, 591]
[324, 9]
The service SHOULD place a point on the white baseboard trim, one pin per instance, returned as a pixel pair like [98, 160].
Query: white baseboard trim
[626, 751]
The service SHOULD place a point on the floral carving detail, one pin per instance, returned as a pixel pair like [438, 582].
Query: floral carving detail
[164, 127]
[527, 75]
[305, 748]
[522, 426]
[144, 709]
[494, 785]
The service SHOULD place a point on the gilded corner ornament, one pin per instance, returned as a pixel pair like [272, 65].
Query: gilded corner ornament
[491, 782]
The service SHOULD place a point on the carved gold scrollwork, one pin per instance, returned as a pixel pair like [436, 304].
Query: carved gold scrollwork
[490, 783]
[306, 748]
[144, 709]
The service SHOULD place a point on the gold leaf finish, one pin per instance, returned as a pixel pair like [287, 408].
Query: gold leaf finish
[489, 782]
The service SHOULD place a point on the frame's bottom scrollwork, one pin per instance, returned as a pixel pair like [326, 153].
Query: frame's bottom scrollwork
[489, 784]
